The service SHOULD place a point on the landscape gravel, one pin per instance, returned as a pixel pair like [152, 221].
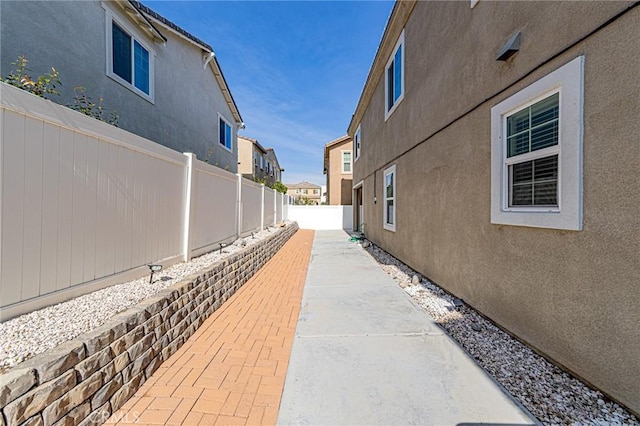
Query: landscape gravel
[27, 335]
[550, 394]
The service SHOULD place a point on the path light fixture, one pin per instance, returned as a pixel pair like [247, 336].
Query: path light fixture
[222, 245]
[253, 236]
[154, 268]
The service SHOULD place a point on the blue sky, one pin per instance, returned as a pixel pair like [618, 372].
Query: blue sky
[295, 68]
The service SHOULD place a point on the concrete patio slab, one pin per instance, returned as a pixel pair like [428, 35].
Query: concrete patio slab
[364, 353]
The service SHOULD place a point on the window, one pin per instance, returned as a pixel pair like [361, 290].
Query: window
[316, 191]
[304, 191]
[255, 159]
[356, 142]
[394, 78]
[261, 162]
[297, 191]
[346, 161]
[536, 153]
[390, 198]
[225, 133]
[129, 60]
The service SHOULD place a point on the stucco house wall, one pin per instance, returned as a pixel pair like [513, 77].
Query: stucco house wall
[72, 38]
[572, 295]
[339, 183]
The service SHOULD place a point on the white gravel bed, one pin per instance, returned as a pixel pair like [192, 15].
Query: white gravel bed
[550, 394]
[30, 334]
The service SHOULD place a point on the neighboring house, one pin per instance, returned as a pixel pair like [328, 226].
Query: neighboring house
[165, 84]
[338, 166]
[497, 153]
[258, 163]
[304, 191]
[274, 170]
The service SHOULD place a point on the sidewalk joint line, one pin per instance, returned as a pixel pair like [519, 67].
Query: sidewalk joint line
[316, 336]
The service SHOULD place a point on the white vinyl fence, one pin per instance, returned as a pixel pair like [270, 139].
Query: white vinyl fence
[322, 217]
[85, 205]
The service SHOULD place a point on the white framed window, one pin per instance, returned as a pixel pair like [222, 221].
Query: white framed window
[536, 152]
[357, 137]
[346, 161]
[225, 133]
[297, 191]
[261, 162]
[316, 191]
[394, 78]
[304, 191]
[130, 60]
[389, 204]
[255, 159]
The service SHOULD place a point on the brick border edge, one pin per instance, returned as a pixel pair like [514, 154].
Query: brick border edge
[85, 380]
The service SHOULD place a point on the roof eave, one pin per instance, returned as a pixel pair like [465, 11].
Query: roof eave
[395, 24]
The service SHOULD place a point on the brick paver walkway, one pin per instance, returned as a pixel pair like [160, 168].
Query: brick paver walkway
[232, 370]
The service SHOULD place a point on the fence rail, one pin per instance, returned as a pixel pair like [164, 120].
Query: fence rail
[85, 205]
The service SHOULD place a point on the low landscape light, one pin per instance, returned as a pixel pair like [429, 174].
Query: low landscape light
[222, 245]
[154, 268]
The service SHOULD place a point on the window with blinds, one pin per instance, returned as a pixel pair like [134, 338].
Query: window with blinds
[536, 152]
[532, 136]
[346, 162]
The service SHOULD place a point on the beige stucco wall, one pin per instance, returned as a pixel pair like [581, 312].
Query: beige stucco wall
[339, 184]
[245, 156]
[572, 295]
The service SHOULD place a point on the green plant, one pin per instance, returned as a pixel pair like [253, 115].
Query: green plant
[84, 104]
[280, 187]
[260, 180]
[303, 201]
[41, 86]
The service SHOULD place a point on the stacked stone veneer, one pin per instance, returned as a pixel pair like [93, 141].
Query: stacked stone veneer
[84, 380]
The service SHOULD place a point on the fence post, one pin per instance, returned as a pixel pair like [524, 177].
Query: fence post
[262, 208]
[275, 207]
[239, 206]
[188, 208]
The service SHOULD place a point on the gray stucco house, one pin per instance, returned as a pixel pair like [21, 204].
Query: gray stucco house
[496, 152]
[165, 84]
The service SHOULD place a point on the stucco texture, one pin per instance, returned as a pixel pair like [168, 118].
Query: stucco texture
[339, 184]
[71, 37]
[573, 296]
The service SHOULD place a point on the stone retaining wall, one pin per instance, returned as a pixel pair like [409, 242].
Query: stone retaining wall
[86, 379]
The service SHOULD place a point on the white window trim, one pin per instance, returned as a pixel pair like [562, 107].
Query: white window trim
[342, 163]
[387, 113]
[568, 80]
[388, 226]
[357, 143]
[221, 117]
[110, 17]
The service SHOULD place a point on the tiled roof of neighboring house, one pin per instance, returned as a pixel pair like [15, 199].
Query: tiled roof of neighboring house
[275, 157]
[337, 141]
[303, 184]
[331, 144]
[265, 150]
[255, 142]
[217, 71]
[170, 24]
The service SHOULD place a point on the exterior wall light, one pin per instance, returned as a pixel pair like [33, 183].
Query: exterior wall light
[154, 268]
